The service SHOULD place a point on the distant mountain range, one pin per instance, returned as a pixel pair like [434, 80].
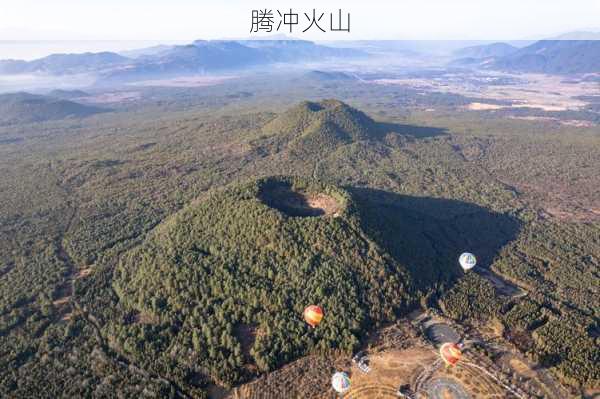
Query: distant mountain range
[64, 64]
[554, 56]
[485, 51]
[219, 55]
[577, 35]
[67, 94]
[146, 51]
[199, 57]
[25, 108]
[544, 56]
[292, 50]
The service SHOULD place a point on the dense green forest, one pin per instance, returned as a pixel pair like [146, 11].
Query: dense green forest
[233, 262]
[138, 252]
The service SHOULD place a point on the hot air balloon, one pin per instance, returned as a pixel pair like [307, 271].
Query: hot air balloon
[450, 353]
[467, 261]
[313, 315]
[340, 382]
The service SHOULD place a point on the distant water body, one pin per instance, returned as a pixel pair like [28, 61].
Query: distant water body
[29, 49]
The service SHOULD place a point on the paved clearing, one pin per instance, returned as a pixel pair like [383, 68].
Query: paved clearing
[440, 333]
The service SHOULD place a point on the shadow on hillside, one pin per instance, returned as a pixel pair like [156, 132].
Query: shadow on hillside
[427, 235]
[281, 196]
[411, 130]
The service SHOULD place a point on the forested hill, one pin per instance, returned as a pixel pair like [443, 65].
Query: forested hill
[229, 277]
[327, 118]
[235, 268]
[24, 108]
[310, 129]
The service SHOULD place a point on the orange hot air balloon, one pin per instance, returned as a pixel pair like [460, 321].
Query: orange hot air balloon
[450, 353]
[313, 315]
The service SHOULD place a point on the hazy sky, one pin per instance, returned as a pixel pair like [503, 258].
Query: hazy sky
[370, 19]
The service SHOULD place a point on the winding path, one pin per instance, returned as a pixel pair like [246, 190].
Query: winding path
[68, 297]
[443, 388]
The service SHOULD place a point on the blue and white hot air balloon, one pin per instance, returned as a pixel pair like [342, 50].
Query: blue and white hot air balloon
[467, 261]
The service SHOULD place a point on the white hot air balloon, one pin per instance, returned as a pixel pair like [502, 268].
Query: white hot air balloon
[467, 261]
[340, 382]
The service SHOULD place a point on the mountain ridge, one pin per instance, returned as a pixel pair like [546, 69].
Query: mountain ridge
[198, 57]
[499, 49]
[63, 64]
[24, 107]
[553, 56]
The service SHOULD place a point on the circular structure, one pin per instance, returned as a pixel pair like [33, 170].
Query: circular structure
[440, 333]
[450, 353]
[313, 315]
[467, 261]
[419, 372]
[340, 382]
[445, 388]
[379, 391]
[300, 202]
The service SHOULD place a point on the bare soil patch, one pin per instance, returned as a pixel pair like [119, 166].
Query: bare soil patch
[397, 358]
[546, 92]
[389, 370]
[578, 123]
[521, 367]
[63, 294]
[113, 97]
[324, 202]
[308, 377]
[145, 318]
[61, 301]
[484, 106]
[83, 273]
[420, 366]
[567, 122]
[186, 81]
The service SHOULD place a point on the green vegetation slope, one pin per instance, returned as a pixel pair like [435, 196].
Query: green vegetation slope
[221, 286]
[233, 272]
